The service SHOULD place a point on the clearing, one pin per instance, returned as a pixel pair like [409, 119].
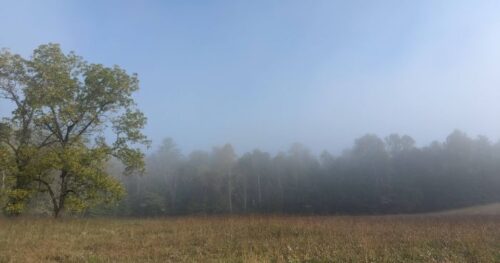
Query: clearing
[254, 239]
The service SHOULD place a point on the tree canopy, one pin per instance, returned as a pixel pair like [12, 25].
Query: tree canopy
[375, 176]
[56, 141]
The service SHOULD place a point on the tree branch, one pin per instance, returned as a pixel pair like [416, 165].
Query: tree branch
[56, 123]
[51, 192]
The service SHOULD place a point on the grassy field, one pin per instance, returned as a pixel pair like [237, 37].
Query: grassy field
[253, 239]
[485, 210]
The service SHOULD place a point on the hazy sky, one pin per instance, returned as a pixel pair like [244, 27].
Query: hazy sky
[265, 74]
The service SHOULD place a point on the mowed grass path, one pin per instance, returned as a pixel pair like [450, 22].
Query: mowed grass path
[253, 239]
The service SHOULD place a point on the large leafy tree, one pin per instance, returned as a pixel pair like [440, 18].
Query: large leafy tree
[57, 139]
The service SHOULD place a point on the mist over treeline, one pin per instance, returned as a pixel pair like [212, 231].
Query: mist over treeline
[375, 176]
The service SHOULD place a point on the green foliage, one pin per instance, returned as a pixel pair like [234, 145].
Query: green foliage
[6, 181]
[55, 135]
[19, 195]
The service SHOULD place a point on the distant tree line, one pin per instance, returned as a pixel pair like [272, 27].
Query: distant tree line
[389, 175]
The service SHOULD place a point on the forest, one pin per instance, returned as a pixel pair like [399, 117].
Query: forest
[376, 176]
[73, 144]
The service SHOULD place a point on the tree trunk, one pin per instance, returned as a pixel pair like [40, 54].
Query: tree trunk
[62, 192]
[229, 192]
[174, 194]
[56, 212]
[245, 193]
[259, 190]
[281, 193]
[3, 181]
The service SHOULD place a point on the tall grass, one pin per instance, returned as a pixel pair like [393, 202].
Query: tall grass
[253, 239]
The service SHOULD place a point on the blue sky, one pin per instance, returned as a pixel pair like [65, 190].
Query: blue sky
[265, 74]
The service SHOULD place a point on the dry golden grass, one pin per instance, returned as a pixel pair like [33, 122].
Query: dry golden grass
[253, 239]
[488, 209]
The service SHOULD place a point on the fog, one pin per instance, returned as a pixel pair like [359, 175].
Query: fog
[374, 176]
[265, 75]
[250, 131]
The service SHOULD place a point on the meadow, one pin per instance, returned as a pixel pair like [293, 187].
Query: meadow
[429, 238]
